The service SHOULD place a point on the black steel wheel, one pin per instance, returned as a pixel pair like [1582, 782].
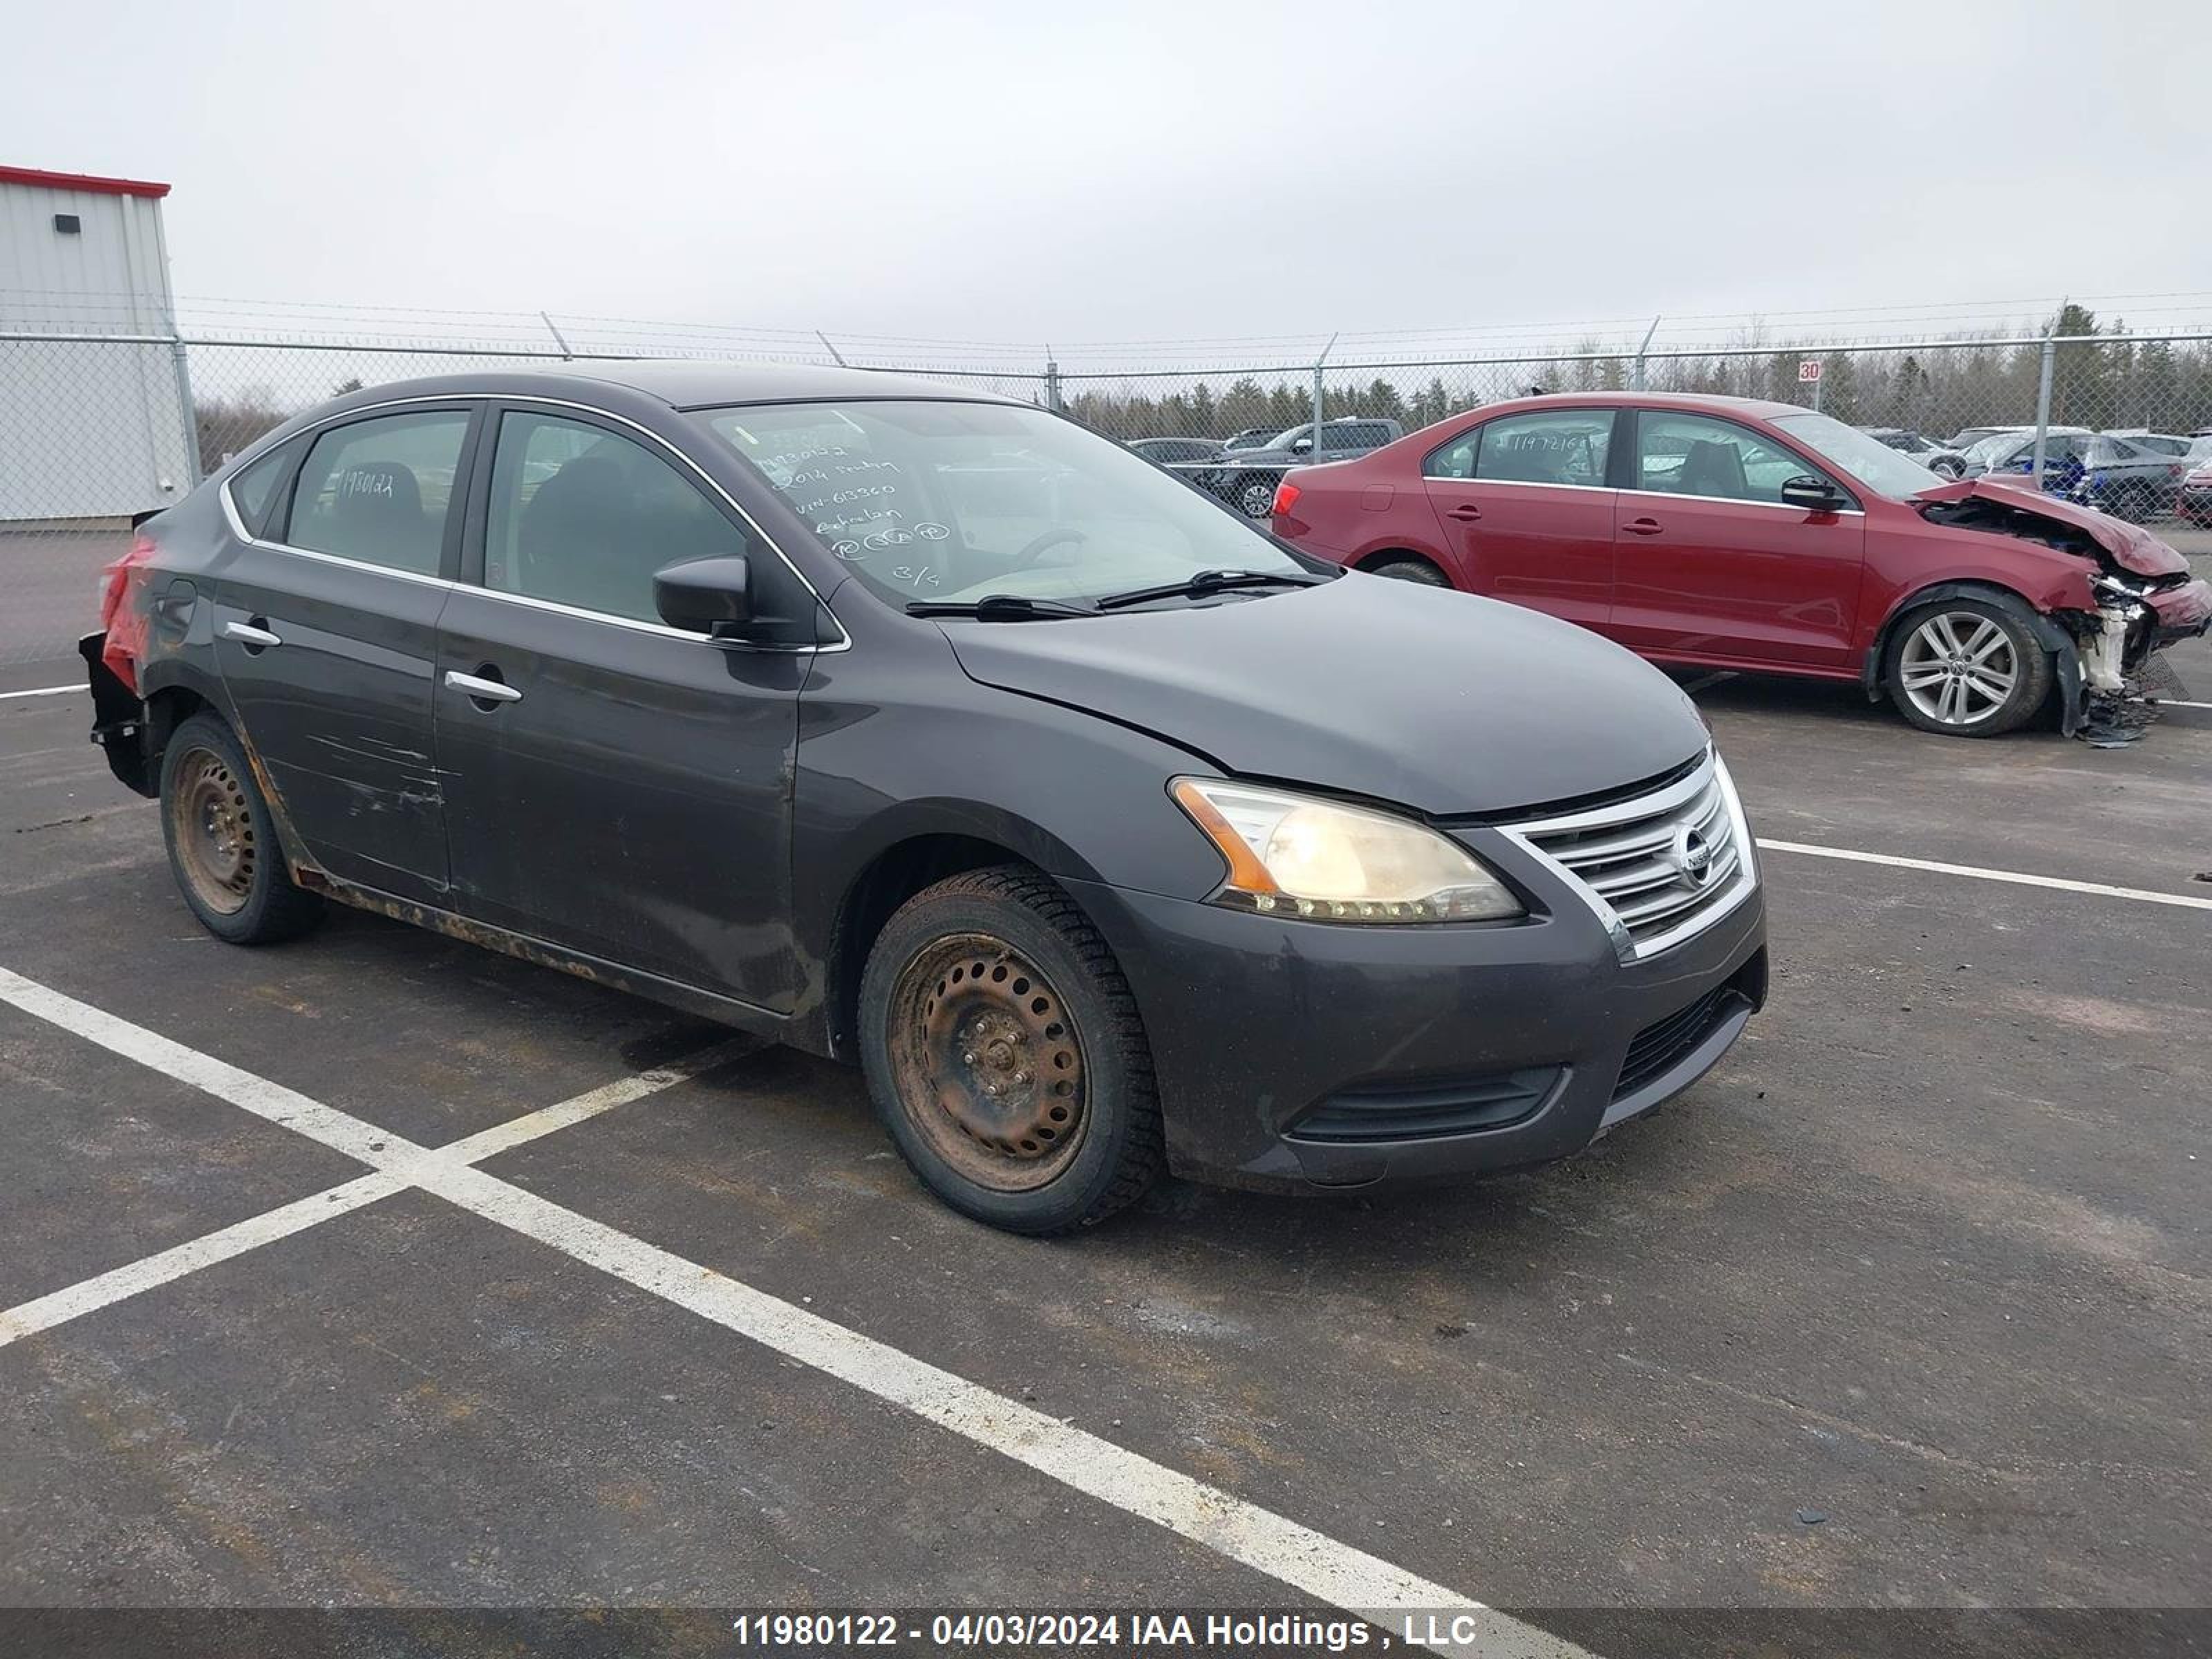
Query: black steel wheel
[1004, 1055]
[222, 842]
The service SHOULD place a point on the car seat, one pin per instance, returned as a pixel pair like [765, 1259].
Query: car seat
[1714, 468]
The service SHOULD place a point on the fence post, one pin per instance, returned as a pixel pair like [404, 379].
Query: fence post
[2043, 393]
[1635, 380]
[1314, 448]
[1052, 399]
[185, 411]
[554, 329]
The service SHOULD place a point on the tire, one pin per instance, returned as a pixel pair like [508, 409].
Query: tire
[223, 842]
[2005, 679]
[1946, 469]
[1407, 570]
[1255, 496]
[1004, 1055]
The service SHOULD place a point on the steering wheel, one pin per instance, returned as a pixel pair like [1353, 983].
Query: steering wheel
[1037, 546]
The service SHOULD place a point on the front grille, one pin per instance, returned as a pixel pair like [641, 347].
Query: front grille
[1414, 1111]
[1659, 868]
[1664, 1043]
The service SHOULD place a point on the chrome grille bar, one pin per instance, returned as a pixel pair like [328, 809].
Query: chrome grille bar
[1658, 869]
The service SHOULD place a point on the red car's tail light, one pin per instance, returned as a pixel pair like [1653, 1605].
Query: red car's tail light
[121, 616]
[1286, 497]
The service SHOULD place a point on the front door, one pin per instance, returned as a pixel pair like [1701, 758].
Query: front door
[325, 635]
[1710, 565]
[614, 786]
[1522, 505]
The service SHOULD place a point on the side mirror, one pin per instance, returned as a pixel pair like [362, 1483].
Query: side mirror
[1814, 495]
[711, 596]
[1301, 446]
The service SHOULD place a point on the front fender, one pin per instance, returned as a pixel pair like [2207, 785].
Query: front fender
[2066, 660]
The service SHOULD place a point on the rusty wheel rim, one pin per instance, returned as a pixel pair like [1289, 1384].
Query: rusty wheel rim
[214, 832]
[988, 1063]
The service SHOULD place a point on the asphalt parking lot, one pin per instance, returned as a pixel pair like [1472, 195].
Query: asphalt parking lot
[1908, 1304]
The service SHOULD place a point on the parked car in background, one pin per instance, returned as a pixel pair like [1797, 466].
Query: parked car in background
[1945, 463]
[1104, 833]
[1721, 532]
[2113, 475]
[1252, 437]
[1174, 451]
[2159, 443]
[1248, 480]
[2193, 502]
[1967, 437]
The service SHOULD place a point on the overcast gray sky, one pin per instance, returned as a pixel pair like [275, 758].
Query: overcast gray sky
[1034, 172]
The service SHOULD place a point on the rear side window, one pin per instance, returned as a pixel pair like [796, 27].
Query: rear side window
[377, 490]
[1553, 445]
[581, 516]
[253, 491]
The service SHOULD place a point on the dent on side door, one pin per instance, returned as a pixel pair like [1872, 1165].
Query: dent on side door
[329, 668]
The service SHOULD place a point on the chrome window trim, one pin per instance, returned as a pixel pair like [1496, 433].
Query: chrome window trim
[1521, 483]
[843, 642]
[1738, 500]
[1659, 494]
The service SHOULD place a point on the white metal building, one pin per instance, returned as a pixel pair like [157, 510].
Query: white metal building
[88, 429]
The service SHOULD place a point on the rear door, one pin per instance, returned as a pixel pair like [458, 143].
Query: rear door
[1710, 565]
[614, 786]
[325, 633]
[1522, 504]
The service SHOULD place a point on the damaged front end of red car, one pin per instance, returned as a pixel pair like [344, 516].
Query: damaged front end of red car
[2143, 595]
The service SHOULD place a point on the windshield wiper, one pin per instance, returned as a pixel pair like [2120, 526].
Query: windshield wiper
[1213, 581]
[999, 607]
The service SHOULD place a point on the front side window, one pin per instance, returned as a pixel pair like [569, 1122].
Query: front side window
[1700, 455]
[1552, 445]
[582, 516]
[1858, 457]
[377, 490]
[950, 501]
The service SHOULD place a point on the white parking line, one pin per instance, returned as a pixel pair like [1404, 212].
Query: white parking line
[1308, 1561]
[105, 1290]
[45, 691]
[2019, 878]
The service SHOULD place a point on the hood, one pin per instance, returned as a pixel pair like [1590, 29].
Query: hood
[2131, 547]
[1437, 701]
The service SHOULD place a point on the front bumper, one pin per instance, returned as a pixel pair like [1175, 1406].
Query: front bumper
[1303, 1055]
[2181, 612]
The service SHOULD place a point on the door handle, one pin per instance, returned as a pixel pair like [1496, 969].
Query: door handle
[250, 635]
[1466, 513]
[481, 690]
[1642, 526]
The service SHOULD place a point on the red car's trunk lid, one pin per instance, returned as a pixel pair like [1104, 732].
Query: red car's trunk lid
[2131, 548]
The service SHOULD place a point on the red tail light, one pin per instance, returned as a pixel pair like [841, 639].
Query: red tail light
[123, 612]
[1286, 497]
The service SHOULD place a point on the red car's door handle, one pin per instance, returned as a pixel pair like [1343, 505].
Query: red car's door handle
[1642, 526]
[1466, 513]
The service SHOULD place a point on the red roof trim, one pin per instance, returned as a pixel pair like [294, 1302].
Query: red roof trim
[86, 181]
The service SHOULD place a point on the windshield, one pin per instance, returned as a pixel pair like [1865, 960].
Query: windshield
[1871, 461]
[949, 502]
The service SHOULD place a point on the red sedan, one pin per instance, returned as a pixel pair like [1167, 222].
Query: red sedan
[1722, 532]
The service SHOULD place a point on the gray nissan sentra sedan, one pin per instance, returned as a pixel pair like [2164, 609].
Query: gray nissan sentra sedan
[935, 732]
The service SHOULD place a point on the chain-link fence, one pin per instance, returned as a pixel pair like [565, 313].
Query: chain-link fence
[96, 428]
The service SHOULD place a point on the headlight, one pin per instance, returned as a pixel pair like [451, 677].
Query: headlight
[1292, 855]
